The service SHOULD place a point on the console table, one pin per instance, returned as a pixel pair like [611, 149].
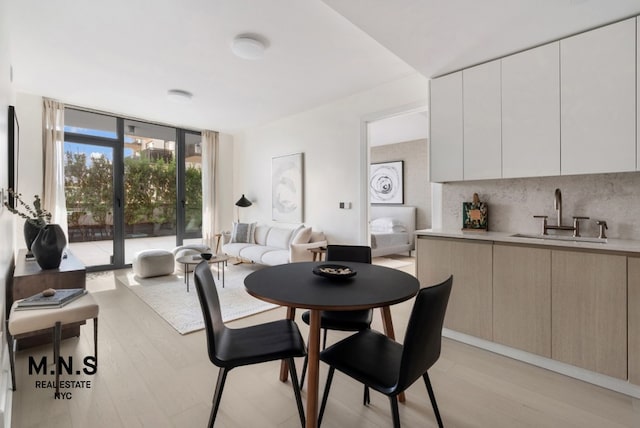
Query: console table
[29, 279]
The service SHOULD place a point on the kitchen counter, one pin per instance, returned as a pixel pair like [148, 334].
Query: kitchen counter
[629, 247]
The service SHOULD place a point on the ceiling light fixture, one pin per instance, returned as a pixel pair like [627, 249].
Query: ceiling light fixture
[179, 96]
[248, 47]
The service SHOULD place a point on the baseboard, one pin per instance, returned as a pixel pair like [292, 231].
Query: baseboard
[604, 381]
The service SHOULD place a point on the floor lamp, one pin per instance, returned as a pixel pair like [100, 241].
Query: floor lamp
[242, 202]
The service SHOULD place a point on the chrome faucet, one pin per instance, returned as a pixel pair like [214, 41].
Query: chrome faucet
[557, 205]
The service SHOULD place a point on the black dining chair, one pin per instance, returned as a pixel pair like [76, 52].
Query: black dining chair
[387, 366]
[342, 320]
[234, 347]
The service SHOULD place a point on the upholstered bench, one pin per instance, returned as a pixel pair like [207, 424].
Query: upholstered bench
[22, 323]
[148, 263]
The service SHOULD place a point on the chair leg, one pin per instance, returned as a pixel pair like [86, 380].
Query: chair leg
[432, 397]
[325, 395]
[296, 389]
[95, 340]
[12, 358]
[366, 400]
[222, 376]
[394, 411]
[304, 370]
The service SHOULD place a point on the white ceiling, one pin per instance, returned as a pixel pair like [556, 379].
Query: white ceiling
[122, 56]
[437, 37]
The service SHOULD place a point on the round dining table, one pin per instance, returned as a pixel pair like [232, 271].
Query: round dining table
[295, 285]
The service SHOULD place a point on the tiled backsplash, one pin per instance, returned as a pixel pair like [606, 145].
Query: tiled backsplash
[614, 198]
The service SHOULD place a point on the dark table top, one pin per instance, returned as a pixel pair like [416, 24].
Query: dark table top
[295, 285]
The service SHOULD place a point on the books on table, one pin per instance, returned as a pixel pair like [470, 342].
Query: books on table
[61, 297]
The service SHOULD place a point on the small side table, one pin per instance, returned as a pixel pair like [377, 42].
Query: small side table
[192, 260]
[318, 253]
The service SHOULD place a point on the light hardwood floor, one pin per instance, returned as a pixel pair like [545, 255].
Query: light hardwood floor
[150, 376]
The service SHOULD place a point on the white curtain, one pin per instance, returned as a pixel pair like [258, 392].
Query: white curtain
[210, 211]
[53, 141]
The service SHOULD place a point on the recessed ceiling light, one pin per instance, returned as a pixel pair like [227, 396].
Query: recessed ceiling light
[179, 96]
[248, 47]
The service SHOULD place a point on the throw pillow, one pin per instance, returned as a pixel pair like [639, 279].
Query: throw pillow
[242, 232]
[302, 237]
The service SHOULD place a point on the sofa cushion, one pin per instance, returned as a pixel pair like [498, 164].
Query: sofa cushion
[302, 237]
[274, 258]
[279, 238]
[242, 232]
[260, 234]
[255, 253]
[234, 248]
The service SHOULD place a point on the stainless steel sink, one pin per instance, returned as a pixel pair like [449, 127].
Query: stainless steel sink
[561, 238]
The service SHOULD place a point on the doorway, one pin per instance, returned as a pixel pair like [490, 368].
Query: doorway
[398, 140]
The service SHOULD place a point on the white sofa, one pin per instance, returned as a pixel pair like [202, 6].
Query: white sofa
[273, 245]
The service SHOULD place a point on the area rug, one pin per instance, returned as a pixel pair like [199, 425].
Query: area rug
[167, 295]
[390, 263]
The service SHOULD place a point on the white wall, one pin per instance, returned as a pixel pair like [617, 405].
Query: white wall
[7, 246]
[330, 138]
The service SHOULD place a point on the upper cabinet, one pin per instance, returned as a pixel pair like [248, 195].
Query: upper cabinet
[598, 98]
[446, 128]
[482, 138]
[531, 113]
[567, 107]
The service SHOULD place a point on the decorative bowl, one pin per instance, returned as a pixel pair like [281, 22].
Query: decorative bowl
[334, 271]
[206, 256]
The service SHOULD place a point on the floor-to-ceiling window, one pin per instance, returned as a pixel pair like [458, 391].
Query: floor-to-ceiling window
[130, 185]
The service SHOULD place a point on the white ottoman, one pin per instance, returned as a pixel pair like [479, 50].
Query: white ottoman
[187, 250]
[148, 263]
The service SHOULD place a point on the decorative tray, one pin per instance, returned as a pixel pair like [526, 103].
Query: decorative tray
[334, 271]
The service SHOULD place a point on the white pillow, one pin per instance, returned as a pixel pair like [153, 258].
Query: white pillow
[302, 237]
[387, 224]
[279, 238]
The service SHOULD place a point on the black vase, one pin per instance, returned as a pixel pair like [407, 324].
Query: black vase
[48, 246]
[30, 233]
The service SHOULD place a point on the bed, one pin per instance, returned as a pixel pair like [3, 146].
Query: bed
[392, 229]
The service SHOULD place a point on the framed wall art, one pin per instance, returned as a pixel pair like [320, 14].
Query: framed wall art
[287, 188]
[14, 147]
[386, 183]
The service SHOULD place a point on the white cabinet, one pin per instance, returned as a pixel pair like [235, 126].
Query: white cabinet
[446, 128]
[482, 130]
[531, 113]
[598, 100]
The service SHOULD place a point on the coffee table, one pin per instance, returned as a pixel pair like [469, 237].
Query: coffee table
[194, 259]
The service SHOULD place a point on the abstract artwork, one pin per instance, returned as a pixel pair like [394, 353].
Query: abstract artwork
[287, 188]
[385, 183]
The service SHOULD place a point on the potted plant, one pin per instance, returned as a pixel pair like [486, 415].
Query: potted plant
[45, 240]
[34, 215]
